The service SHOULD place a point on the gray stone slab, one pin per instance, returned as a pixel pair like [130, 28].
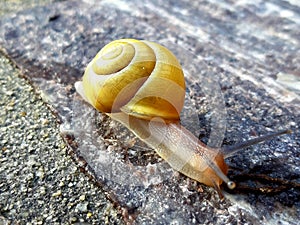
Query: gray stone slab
[241, 46]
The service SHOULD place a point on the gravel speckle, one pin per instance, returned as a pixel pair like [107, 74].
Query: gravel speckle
[39, 182]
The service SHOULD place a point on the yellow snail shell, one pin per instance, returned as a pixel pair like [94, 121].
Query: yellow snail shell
[130, 76]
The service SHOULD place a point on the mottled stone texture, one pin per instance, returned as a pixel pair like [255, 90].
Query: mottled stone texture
[246, 48]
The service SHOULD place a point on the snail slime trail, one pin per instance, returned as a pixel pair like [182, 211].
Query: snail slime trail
[141, 84]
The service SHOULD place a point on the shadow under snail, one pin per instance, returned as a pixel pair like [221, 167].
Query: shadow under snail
[141, 85]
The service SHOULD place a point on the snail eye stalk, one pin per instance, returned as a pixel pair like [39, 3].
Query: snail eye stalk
[231, 150]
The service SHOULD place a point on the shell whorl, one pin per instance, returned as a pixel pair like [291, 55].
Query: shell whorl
[140, 78]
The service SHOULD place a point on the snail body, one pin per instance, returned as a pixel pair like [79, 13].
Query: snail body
[180, 148]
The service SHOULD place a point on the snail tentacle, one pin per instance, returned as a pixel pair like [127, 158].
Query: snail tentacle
[231, 150]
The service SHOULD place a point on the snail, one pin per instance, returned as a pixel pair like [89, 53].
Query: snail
[141, 84]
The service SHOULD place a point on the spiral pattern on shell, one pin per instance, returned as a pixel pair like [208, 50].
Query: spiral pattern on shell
[140, 78]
